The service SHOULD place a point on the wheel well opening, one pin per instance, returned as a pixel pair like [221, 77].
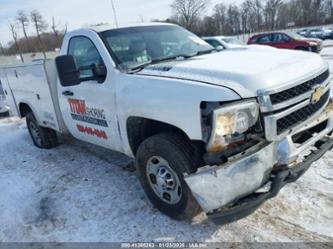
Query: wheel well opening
[24, 109]
[139, 129]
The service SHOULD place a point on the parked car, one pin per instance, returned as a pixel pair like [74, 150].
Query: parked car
[3, 105]
[316, 33]
[287, 40]
[319, 33]
[219, 132]
[328, 33]
[304, 32]
[223, 42]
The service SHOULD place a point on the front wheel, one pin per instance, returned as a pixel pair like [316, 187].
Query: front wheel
[303, 49]
[43, 138]
[162, 161]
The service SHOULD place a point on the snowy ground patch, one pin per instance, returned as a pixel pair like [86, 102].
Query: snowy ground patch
[79, 192]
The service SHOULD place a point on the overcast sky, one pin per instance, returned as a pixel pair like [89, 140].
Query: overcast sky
[78, 13]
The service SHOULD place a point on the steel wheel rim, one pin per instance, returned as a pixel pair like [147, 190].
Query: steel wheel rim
[163, 180]
[35, 132]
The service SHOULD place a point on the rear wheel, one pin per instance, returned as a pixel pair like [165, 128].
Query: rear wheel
[42, 137]
[162, 161]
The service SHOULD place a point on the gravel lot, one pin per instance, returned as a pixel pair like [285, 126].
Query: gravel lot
[79, 192]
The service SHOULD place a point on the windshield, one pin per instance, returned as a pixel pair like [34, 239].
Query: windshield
[295, 36]
[232, 41]
[137, 46]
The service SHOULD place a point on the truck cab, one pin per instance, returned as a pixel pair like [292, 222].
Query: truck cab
[208, 130]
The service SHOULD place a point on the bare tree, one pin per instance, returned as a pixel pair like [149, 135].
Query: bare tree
[54, 29]
[244, 18]
[230, 19]
[40, 26]
[318, 11]
[234, 19]
[14, 34]
[23, 20]
[208, 27]
[2, 50]
[188, 11]
[220, 17]
[271, 10]
[329, 4]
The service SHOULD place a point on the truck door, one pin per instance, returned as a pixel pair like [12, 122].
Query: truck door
[89, 109]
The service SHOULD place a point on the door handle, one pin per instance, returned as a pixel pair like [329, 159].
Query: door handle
[68, 93]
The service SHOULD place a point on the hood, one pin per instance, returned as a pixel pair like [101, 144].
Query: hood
[319, 41]
[230, 45]
[244, 70]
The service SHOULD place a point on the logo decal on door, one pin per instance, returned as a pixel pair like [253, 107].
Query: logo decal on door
[92, 132]
[81, 112]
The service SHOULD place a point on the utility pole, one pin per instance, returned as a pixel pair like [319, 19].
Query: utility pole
[114, 14]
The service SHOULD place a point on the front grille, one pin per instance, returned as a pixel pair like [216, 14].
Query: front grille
[301, 115]
[299, 90]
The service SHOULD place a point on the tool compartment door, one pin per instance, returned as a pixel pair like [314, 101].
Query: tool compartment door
[29, 84]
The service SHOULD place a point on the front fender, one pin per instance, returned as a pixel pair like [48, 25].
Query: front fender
[171, 101]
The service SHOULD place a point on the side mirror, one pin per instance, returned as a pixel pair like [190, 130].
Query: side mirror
[99, 72]
[219, 48]
[68, 71]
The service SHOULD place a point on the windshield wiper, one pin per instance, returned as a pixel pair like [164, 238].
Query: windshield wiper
[206, 51]
[155, 61]
[170, 58]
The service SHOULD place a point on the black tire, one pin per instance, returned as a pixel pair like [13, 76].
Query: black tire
[176, 150]
[47, 138]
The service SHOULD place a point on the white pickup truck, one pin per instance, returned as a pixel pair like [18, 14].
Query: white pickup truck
[215, 131]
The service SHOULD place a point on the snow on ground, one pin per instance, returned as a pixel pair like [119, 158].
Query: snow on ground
[79, 192]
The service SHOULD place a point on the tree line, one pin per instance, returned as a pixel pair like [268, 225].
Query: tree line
[224, 19]
[250, 16]
[41, 40]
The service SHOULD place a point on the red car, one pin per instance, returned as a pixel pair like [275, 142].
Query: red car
[287, 41]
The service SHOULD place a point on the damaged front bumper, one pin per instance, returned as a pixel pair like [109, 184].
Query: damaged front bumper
[232, 191]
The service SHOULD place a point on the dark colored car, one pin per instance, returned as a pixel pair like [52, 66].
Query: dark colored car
[304, 32]
[287, 41]
[319, 33]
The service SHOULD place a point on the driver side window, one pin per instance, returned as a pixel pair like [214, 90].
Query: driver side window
[280, 38]
[85, 54]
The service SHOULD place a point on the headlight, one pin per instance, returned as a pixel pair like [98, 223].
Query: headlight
[232, 120]
[313, 44]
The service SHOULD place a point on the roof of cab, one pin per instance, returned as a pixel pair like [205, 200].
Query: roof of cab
[101, 28]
